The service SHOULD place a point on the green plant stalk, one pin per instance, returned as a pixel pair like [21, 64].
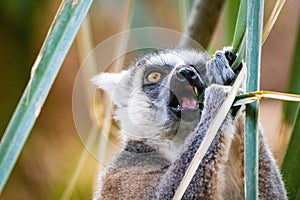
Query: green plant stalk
[240, 27]
[56, 45]
[291, 162]
[253, 55]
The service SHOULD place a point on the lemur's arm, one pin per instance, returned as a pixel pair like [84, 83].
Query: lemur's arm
[207, 182]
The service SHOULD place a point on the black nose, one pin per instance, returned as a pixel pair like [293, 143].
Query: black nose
[186, 74]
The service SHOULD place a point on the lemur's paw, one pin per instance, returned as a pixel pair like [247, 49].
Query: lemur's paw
[231, 56]
[215, 95]
[218, 68]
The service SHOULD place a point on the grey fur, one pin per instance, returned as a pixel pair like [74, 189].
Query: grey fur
[159, 147]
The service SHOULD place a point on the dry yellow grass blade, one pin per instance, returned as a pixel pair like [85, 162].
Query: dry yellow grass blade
[272, 19]
[84, 47]
[127, 19]
[183, 13]
[210, 135]
[118, 66]
[253, 96]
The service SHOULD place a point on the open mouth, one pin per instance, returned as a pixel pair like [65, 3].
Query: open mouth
[184, 99]
[186, 102]
[186, 93]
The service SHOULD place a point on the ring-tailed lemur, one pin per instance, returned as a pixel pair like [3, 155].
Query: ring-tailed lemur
[165, 103]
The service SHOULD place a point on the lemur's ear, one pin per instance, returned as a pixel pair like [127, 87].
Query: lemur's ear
[108, 81]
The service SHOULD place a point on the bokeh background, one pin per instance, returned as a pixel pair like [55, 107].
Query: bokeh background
[53, 150]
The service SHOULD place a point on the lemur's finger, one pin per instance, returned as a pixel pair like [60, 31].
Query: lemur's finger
[218, 69]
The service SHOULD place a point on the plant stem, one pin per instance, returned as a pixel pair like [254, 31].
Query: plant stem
[253, 55]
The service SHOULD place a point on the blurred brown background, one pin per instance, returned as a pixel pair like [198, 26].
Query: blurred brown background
[53, 149]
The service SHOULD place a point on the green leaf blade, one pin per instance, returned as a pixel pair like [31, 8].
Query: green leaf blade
[59, 39]
[240, 27]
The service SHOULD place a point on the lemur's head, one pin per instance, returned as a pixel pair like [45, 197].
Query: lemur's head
[158, 94]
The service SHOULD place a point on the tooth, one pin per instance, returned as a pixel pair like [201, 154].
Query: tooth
[195, 90]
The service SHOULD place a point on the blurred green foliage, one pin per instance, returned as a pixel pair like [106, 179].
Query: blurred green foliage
[290, 108]
[291, 116]
[232, 8]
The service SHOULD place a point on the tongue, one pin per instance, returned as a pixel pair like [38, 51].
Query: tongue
[188, 103]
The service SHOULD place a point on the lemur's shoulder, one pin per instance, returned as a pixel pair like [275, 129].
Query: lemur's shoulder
[132, 174]
[136, 156]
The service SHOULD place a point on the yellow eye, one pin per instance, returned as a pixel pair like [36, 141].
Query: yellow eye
[154, 77]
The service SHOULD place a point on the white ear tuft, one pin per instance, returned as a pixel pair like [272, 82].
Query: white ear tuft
[108, 81]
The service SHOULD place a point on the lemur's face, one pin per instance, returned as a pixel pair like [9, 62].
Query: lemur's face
[173, 84]
[159, 94]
